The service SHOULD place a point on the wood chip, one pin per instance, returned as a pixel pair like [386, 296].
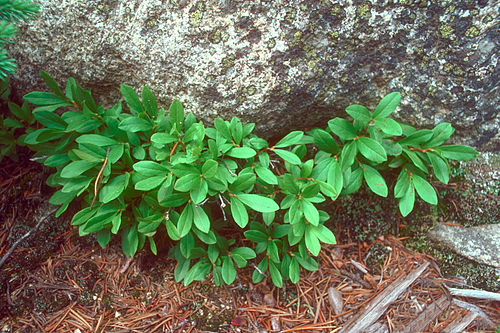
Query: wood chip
[335, 298]
[429, 314]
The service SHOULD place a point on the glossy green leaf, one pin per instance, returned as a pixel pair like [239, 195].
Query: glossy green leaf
[96, 139]
[375, 181]
[360, 113]
[310, 190]
[440, 167]
[256, 236]
[389, 126]
[185, 221]
[114, 188]
[290, 139]
[76, 168]
[130, 241]
[324, 141]
[50, 120]
[244, 252]
[163, 138]
[149, 183]
[275, 275]
[424, 189]
[133, 124]
[258, 203]
[312, 242]
[52, 84]
[310, 212]
[174, 200]
[150, 168]
[387, 105]
[132, 98]
[241, 152]
[371, 149]
[45, 98]
[199, 193]
[402, 184]
[294, 270]
[441, 133]
[342, 128]
[149, 102]
[288, 156]
[209, 168]
[335, 178]
[407, 202]
[172, 231]
[228, 271]
[458, 152]
[266, 175]
[324, 234]
[239, 212]
[188, 182]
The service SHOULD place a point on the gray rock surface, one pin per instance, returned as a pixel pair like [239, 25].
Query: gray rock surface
[480, 243]
[283, 64]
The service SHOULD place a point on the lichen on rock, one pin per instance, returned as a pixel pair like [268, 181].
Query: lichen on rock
[302, 57]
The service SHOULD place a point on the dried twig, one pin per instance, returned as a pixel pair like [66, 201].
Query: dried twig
[28, 234]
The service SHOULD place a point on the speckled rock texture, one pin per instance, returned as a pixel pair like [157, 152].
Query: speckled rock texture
[481, 243]
[284, 64]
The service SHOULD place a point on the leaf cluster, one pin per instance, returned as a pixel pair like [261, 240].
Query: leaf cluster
[225, 197]
[12, 11]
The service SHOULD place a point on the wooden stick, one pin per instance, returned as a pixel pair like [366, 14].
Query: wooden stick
[429, 314]
[475, 294]
[459, 324]
[380, 303]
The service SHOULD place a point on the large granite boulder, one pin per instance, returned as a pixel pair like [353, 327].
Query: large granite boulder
[281, 63]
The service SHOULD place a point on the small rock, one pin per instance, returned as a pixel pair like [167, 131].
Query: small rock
[480, 243]
[335, 298]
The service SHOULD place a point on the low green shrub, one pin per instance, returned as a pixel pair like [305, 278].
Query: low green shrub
[225, 196]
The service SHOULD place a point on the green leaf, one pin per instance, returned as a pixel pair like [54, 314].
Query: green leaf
[114, 188]
[458, 152]
[272, 251]
[407, 202]
[45, 98]
[186, 245]
[185, 221]
[83, 216]
[375, 181]
[275, 275]
[312, 242]
[133, 124]
[342, 128]
[294, 270]
[266, 175]
[387, 105]
[308, 263]
[152, 246]
[440, 167]
[228, 271]
[256, 236]
[290, 139]
[418, 137]
[416, 160]
[150, 168]
[236, 130]
[212, 253]
[402, 184]
[56, 160]
[201, 220]
[172, 231]
[188, 182]
[163, 138]
[150, 183]
[174, 200]
[243, 182]
[288, 184]
[371, 149]
[389, 126]
[441, 133]
[199, 193]
[52, 84]
[149, 102]
[424, 189]
[348, 155]
[324, 234]
[132, 99]
[239, 212]
[258, 203]
[325, 141]
[130, 241]
[354, 181]
[96, 139]
[288, 156]
[310, 212]
[244, 252]
[222, 128]
[50, 120]
[310, 190]
[76, 168]
[335, 178]
[176, 112]
[360, 113]
[209, 168]
[241, 152]
[103, 237]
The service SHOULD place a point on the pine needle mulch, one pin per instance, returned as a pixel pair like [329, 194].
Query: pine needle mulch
[56, 281]
[93, 290]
